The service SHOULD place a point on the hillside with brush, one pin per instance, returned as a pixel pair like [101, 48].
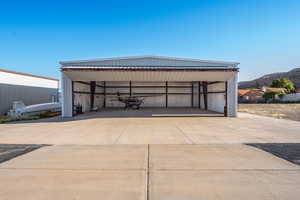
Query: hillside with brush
[266, 80]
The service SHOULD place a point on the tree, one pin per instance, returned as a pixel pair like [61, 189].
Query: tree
[271, 95]
[284, 83]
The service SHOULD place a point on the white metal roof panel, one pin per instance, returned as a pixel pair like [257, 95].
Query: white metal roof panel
[148, 61]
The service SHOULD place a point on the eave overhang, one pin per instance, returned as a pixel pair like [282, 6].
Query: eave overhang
[148, 68]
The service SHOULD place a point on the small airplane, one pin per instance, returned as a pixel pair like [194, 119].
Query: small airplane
[133, 102]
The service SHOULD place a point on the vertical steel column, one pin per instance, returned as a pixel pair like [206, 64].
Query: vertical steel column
[92, 95]
[57, 92]
[226, 100]
[167, 94]
[199, 94]
[72, 98]
[204, 83]
[104, 94]
[130, 88]
[192, 97]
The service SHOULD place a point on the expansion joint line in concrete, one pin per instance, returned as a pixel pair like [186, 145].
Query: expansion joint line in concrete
[118, 138]
[148, 172]
[184, 135]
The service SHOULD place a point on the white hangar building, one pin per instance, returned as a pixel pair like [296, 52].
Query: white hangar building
[28, 88]
[173, 82]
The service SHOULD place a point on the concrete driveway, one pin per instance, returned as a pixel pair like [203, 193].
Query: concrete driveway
[156, 172]
[150, 158]
[175, 130]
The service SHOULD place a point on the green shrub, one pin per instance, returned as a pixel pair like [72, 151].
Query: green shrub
[47, 114]
[284, 83]
[271, 95]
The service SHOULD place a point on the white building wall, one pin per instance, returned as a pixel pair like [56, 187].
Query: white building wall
[295, 97]
[155, 101]
[179, 100]
[29, 95]
[28, 89]
[216, 101]
[232, 96]
[66, 84]
[18, 79]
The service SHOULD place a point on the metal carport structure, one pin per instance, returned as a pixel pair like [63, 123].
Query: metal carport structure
[199, 84]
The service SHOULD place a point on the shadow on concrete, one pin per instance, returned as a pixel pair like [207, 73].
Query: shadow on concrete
[287, 151]
[10, 151]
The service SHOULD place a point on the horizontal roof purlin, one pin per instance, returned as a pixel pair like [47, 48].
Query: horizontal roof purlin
[151, 68]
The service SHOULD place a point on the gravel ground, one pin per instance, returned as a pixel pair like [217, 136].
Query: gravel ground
[10, 151]
[281, 111]
[287, 151]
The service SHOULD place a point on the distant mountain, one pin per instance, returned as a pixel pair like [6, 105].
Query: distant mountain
[266, 80]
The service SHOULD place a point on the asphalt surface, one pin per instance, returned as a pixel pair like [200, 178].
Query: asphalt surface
[287, 151]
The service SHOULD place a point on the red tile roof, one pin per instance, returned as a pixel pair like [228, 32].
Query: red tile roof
[276, 89]
[242, 92]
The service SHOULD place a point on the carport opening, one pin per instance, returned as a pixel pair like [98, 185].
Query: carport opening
[160, 98]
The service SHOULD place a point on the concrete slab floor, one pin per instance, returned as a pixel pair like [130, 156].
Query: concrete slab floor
[214, 172]
[246, 128]
[153, 172]
[217, 157]
[77, 172]
[28, 184]
[231, 185]
[83, 157]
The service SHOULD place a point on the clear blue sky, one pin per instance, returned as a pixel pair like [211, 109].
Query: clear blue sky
[263, 35]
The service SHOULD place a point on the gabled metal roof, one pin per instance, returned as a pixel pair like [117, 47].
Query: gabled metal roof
[159, 61]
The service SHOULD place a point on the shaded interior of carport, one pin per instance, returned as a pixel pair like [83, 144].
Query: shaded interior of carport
[204, 89]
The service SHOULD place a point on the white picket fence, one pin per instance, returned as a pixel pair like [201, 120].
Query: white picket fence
[290, 97]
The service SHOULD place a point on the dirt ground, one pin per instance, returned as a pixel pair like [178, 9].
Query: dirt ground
[282, 111]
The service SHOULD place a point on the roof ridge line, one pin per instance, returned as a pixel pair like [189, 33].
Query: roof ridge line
[149, 56]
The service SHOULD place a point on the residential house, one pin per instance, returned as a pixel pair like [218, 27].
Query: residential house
[255, 95]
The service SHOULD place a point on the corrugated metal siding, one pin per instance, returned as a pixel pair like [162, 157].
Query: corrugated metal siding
[29, 95]
[148, 76]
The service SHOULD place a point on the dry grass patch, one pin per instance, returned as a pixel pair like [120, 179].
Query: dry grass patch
[281, 111]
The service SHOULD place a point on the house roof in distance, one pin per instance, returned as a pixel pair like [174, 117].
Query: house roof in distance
[276, 89]
[242, 92]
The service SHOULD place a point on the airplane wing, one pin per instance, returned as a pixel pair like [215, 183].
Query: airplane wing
[145, 96]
